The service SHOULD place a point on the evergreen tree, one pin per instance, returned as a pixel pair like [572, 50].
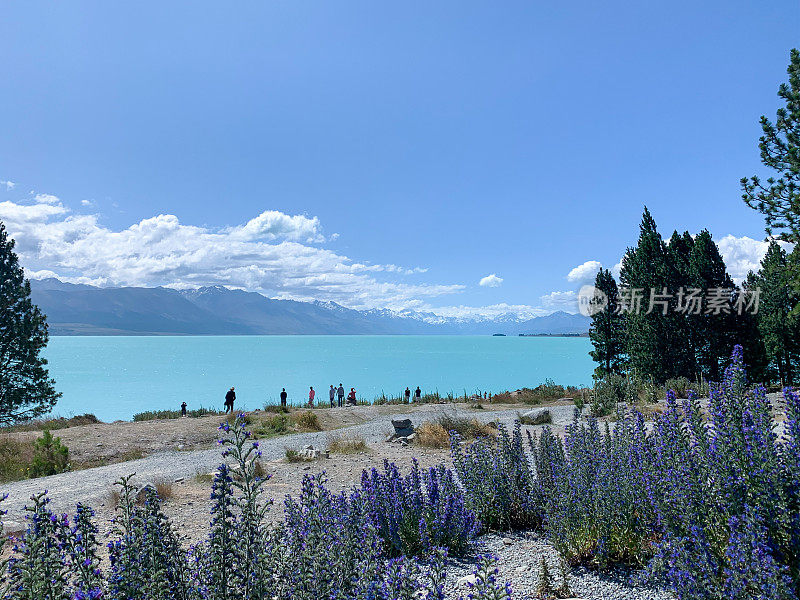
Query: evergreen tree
[778, 325]
[26, 390]
[678, 324]
[645, 269]
[713, 330]
[779, 198]
[607, 331]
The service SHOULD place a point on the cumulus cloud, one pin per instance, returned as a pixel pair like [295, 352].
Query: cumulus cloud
[10, 185]
[566, 301]
[491, 281]
[584, 273]
[273, 253]
[743, 254]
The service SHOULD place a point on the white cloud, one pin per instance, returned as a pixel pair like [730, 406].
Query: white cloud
[522, 311]
[87, 203]
[10, 185]
[269, 254]
[566, 301]
[584, 273]
[491, 281]
[743, 254]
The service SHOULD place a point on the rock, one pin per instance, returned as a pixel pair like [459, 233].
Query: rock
[521, 568]
[508, 541]
[181, 446]
[178, 480]
[537, 417]
[141, 493]
[467, 580]
[411, 438]
[402, 428]
[13, 528]
[308, 447]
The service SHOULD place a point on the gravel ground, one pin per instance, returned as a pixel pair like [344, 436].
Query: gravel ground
[519, 554]
[92, 486]
[519, 559]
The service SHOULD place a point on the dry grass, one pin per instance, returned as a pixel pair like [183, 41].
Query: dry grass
[432, 435]
[294, 456]
[436, 434]
[53, 423]
[306, 421]
[15, 460]
[347, 445]
[113, 498]
[164, 488]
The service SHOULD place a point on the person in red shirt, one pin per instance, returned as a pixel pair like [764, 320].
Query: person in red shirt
[311, 394]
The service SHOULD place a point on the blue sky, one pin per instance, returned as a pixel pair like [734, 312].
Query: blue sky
[408, 150]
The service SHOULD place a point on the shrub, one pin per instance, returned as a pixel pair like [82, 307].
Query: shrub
[275, 408]
[610, 391]
[15, 460]
[50, 456]
[152, 415]
[419, 512]
[306, 421]
[498, 482]
[595, 509]
[53, 423]
[432, 435]
[679, 386]
[347, 445]
[244, 558]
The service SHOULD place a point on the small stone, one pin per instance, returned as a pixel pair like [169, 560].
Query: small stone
[178, 480]
[508, 541]
[467, 580]
[12, 528]
[521, 568]
[181, 446]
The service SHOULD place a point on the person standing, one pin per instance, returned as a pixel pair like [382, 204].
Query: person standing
[183, 409]
[340, 394]
[229, 398]
[332, 394]
[284, 395]
[408, 395]
[311, 394]
[417, 395]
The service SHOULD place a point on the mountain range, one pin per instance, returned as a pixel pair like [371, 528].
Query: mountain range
[73, 309]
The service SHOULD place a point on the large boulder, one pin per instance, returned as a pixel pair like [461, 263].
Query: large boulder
[402, 429]
[536, 417]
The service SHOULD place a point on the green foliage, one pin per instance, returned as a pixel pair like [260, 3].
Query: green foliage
[26, 389]
[778, 199]
[50, 456]
[607, 331]
[778, 324]
[152, 415]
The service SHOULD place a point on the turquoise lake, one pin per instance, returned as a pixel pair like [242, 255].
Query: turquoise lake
[115, 377]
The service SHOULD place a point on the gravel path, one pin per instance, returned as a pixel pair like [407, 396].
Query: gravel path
[92, 486]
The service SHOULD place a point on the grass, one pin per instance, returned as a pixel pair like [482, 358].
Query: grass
[294, 456]
[281, 423]
[306, 421]
[15, 460]
[347, 445]
[151, 415]
[545, 392]
[275, 408]
[163, 488]
[436, 434]
[52, 423]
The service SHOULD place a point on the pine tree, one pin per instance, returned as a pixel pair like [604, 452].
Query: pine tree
[779, 199]
[779, 326]
[607, 331]
[645, 269]
[713, 330]
[26, 389]
[683, 354]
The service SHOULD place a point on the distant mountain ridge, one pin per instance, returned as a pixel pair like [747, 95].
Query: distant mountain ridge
[86, 310]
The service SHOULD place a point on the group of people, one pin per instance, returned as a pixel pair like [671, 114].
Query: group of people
[335, 394]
